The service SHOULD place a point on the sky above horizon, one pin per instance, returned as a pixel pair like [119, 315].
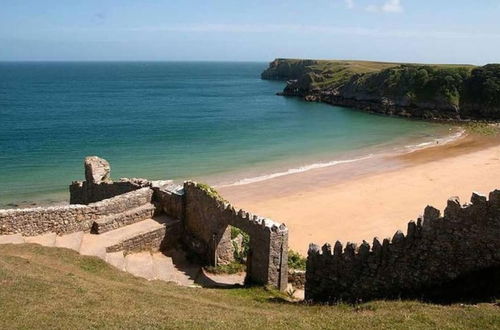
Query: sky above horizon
[439, 31]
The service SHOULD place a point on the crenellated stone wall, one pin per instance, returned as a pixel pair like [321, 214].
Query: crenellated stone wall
[207, 220]
[440, 256]
[69, 218]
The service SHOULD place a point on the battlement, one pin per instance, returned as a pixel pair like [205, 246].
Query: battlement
[435, 250]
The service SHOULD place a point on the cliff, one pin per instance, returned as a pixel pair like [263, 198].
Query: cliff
[412, 90]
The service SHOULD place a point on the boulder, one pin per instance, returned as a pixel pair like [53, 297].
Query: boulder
[97, 170]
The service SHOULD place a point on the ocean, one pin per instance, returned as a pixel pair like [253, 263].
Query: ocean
[209, 121]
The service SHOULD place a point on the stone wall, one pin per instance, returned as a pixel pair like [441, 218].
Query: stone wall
[36, 221]
[170, 200]
[196, 215]
[438, 256]
[207, 220]
[150, 241]
[297, 278]
[87, 192]
[67, 219]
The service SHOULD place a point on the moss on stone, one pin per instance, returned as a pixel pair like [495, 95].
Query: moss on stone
[210, 191]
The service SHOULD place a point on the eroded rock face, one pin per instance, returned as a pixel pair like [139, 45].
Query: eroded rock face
[97, 170]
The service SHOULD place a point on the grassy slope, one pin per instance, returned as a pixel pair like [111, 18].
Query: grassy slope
[57, 288]
[337, 72]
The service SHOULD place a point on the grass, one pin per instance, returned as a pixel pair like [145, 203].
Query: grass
[234, 267]
[59, 289]
[334, 73]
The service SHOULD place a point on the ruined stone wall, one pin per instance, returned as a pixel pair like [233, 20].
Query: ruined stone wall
[170, 200]
[67, 219]
[88, 192]
[207, 217]
[438, 256]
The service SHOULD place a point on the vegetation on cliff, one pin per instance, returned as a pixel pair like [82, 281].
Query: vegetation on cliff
[447, 91]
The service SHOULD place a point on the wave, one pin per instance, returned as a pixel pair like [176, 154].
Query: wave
[436, 142]
[294, 171]
[407, 149]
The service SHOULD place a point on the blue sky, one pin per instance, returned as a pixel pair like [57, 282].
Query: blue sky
[437, 31]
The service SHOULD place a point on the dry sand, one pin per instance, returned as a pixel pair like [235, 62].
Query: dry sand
[355, 202]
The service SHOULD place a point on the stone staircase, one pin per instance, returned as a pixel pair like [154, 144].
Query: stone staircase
[127, 217]
[131, 240]
[143, 261]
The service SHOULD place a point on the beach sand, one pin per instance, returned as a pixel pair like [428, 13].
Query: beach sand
[376, 197]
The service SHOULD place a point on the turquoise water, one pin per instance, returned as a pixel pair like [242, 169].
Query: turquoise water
[167, 120]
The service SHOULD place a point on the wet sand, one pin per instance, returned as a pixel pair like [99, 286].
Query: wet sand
[357, 201]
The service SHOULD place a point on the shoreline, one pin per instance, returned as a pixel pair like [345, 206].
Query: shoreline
[364, 154]
[270, 171]
[355, 203]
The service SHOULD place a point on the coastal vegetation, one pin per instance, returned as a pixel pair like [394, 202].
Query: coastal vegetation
[296, 261]
[417, 90]
[59, 289]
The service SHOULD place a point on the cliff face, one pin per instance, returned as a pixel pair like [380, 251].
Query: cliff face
[422, 91]
[284, 69]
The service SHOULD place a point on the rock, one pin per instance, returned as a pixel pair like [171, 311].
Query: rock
[97, 170]
[238, 243]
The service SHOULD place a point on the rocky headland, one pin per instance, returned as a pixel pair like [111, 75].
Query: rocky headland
[440, 92]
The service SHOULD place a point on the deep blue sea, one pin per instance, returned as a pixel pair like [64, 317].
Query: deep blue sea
[169, 120]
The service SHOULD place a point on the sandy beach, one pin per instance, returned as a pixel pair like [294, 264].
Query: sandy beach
[376, 197]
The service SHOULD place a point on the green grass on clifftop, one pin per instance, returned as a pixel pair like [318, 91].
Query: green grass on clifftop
[453, 91]
[42, 288]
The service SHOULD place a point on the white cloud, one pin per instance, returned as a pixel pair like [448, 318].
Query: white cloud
[291, 28]
[325, 29]
[349, 4]
[390, 6]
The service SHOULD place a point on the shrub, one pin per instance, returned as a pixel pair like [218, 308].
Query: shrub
[296, 261]
[240, 255]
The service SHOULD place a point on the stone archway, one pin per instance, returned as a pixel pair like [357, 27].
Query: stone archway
[207, 221]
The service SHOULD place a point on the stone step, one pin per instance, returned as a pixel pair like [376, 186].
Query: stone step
[48, 239]
[125, 218]
[116, 259]
[11, 239]
[185, 272]
[70, 241]
[143, 235]
[140, 265]
[163, 267]
[93, 245]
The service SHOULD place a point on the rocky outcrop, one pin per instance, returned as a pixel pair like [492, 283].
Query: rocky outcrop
[422, 91]
[285, 69]
[97, 170]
